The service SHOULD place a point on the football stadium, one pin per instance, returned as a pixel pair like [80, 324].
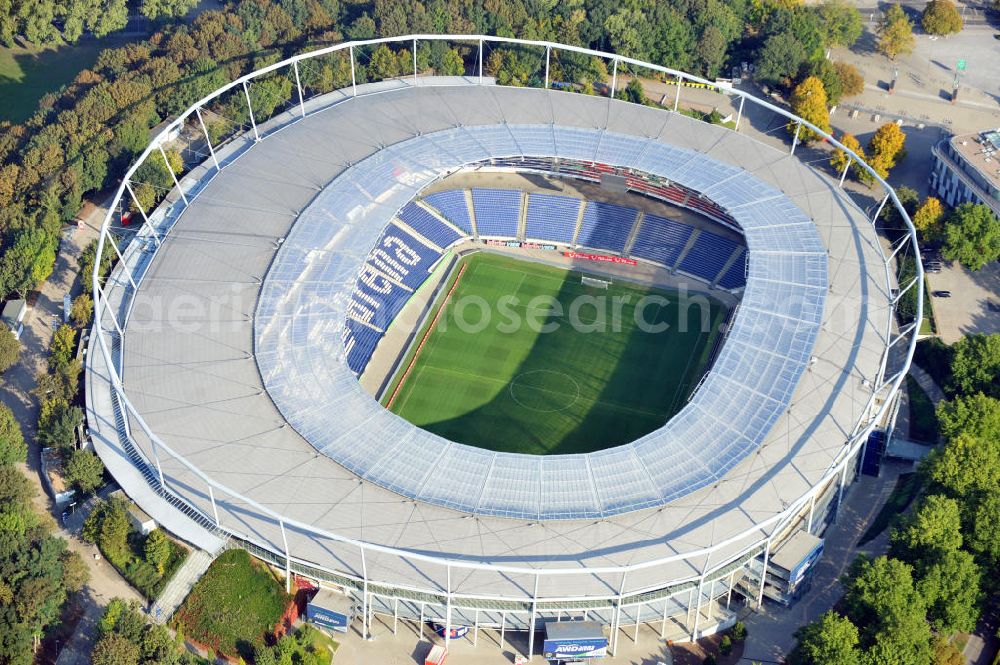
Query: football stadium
[488, 355]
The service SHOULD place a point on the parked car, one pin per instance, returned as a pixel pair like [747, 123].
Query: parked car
[941, 294]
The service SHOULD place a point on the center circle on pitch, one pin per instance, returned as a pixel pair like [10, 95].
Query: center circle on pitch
[544, 390]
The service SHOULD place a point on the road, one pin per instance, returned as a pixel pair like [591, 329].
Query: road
[16, 392]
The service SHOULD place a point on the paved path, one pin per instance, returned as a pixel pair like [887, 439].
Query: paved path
[16, 392]
[926, 382]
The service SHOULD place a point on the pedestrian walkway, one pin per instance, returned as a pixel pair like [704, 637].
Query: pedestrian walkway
[926, 382]
[180, 585]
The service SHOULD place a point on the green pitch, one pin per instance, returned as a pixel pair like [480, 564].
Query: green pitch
[500, 382]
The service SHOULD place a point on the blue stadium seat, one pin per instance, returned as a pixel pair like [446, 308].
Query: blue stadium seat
[552, 217]
[707, 256]
[606, 226]
[398, 258]
[497, 211]
[359, 342]
[452, 206]
[660, 239]
[428, 225]
[736, 275]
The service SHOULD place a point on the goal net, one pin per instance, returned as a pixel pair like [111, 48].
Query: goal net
[595, 282]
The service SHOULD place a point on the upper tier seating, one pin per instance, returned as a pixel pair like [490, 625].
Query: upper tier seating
[497, 211]
[660, 239]
[428, 225]
[452, 205]
[552, 217]
[606, 226]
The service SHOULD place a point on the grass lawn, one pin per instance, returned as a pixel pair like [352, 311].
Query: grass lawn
[906, 489]
[552, 387]
[923, 420]
[233, 606]
[26, 75]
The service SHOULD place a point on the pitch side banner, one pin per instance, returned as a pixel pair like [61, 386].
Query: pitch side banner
[518, 243]
[603, 258]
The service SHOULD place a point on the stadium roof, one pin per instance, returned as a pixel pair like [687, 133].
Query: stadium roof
[303, 308]
[199, 388]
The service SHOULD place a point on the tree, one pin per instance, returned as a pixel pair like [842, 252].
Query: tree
[112, 537]
[880, 595]
[886, 144]
[633, 92]
[13, 450]
[832, 640]
[711, 51]
[28, 261]
[85, 470]
[383, 64]
[976, 368]
[62, 346]
[941, 17]
[841, 159]
[157, 549]
[933, 530]
[155, 9]
[113, 649]
[851, 81]
[984, 537]
[975, 415]
[780, 59]
[950, 585]
[841, 21]
[909, 199]
[809, 103]
[945, 653]
[972, 236]
[10, 349]
[82, 310]
[827, 74]
[59, 429]
[966, 467]
[76, 574]
[895, 33]
[928, 218]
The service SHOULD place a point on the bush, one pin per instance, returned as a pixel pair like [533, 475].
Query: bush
[13, 450]
[10, 349]
[84, 469]
[709, 660]
[739, 631]
[726, 645]
[82, 310]
[63, 345]
[107, 525]
[234, 606]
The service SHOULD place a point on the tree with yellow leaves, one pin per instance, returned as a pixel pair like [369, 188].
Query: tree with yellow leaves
[840, 158]
[809, 103]
[886, 146]
[895, 33]
[928, 218]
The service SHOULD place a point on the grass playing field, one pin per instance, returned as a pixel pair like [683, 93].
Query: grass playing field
[548, 387]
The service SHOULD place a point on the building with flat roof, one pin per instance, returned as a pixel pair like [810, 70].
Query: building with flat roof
[967, 169]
